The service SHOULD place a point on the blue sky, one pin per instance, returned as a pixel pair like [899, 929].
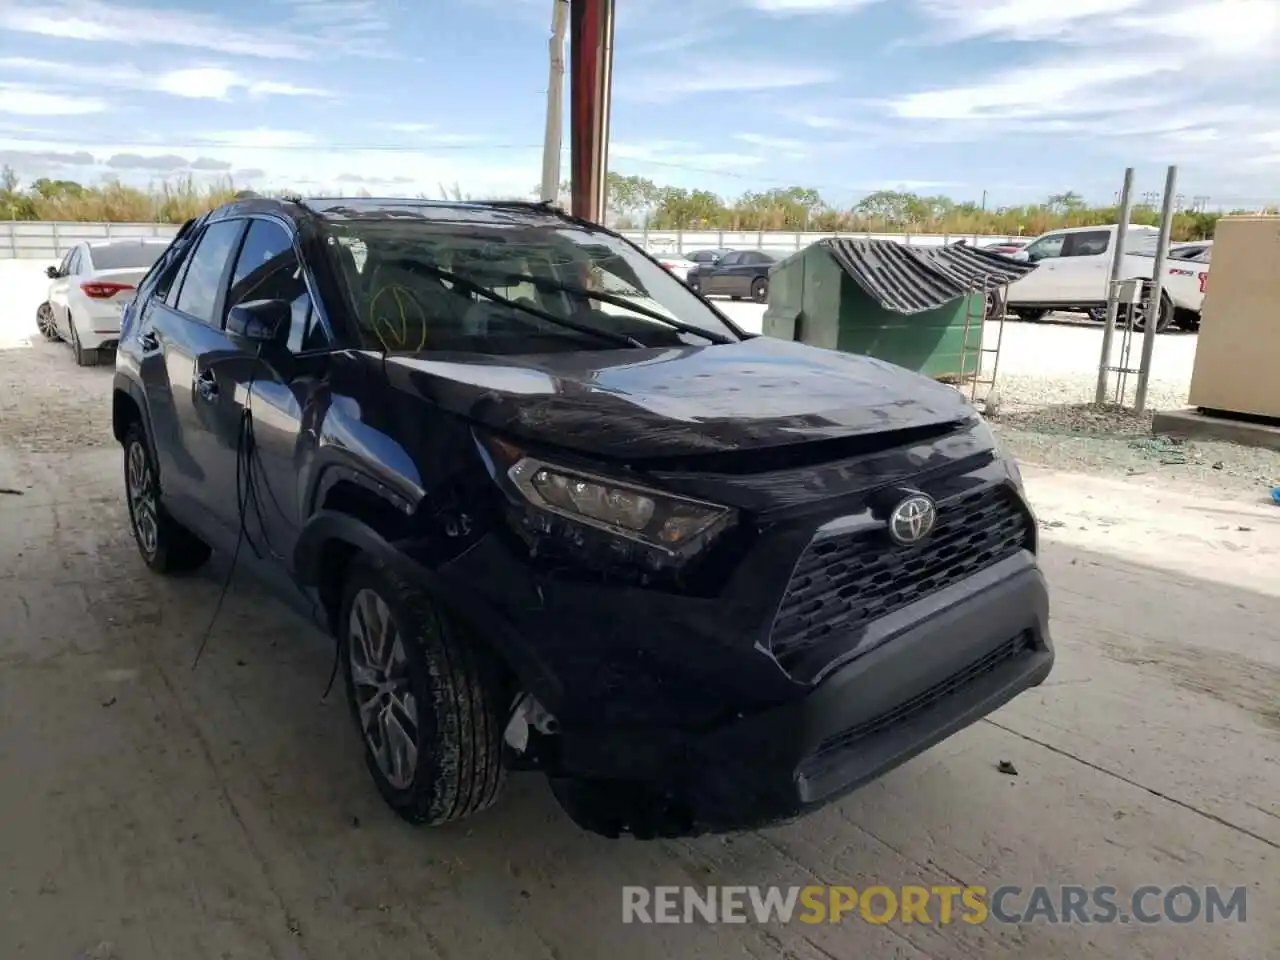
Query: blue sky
[1020, 98]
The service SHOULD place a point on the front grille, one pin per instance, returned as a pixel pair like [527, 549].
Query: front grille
[997, 658]
[843, 583]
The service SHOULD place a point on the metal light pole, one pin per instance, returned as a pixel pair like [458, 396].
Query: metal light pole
[1113, 307]
[555, 105]
[1157, 291]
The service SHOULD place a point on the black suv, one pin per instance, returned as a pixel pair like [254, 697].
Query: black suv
[559, 513]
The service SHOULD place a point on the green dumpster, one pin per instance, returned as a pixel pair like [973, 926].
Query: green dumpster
[920, 308]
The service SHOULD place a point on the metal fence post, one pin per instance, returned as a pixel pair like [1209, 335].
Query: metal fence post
[1152, 315]
[1113, 307]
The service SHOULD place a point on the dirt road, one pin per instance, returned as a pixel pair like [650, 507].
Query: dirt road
[152, 812]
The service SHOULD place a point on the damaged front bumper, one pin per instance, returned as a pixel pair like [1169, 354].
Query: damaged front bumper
[971, 653]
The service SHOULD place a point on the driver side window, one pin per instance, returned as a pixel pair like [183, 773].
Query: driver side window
[1046, 248]
[268, 268]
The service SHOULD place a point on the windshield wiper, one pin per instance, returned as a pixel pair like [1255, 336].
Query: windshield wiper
[482, 291]
[545, 283]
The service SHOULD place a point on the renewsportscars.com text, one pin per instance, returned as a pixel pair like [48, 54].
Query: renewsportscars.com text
[1066, 904]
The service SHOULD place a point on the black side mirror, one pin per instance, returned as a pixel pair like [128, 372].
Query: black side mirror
[52, 272]
[262, 321]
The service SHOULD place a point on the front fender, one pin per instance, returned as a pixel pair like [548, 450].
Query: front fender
[520, 655]
[328, 525]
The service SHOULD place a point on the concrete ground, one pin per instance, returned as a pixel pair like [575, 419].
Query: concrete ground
[155, 811]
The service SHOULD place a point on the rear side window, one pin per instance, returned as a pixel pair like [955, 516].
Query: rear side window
[198, 296]
[1088, 244]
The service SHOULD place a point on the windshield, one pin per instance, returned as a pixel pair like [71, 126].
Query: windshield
[126, 256]
[563, 283]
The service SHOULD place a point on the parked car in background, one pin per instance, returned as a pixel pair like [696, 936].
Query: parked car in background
[676, 263]
[1189, 250]
[89, 290]
[1074, 273]
[1006, 247]
[709, 256]
[1186, 278]
[737, 274]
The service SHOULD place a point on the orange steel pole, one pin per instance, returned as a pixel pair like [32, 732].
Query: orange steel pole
[590, 88]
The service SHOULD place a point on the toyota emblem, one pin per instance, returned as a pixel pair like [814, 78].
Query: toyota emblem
[912, 520]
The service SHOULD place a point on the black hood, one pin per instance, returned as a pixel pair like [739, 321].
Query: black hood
[637, 404]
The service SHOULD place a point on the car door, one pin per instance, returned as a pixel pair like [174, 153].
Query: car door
[1084, 269]
[718, 277]
[181, 338]
[60, 291]
[275, 384]
[1040, 285]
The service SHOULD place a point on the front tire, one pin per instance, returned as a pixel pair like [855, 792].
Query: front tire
[427, 700]
[166, 546]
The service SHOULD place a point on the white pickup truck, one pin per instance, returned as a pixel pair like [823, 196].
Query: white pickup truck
[1074, 268]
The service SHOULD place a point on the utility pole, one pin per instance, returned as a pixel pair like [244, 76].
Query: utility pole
[984, 201]
[554, 136]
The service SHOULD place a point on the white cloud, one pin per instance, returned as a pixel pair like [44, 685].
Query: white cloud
[726, 77]
[789, 7]
[1019, 19]
[1047, 89]
[771, 142]
[33, 102]
[1185, 81]
[308, 29]
[261, 138]
[96, 21]
[207, 82]
[289, 159]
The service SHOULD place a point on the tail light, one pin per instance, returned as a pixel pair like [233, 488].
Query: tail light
[103, 289]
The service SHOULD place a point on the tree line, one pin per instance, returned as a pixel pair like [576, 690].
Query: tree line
[637, 202]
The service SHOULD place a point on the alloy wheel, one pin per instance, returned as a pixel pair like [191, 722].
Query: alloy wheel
[45, 323]
[141, 489]
[385, 703]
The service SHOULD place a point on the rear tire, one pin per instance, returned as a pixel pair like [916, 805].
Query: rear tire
[46, 323]
[1030, 315]
[760, 290]
[1163, 322]
[84, 358]
[427, 700]
[166, 546]
[694, 285]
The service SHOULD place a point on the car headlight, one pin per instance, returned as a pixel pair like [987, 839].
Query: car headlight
[669, 527]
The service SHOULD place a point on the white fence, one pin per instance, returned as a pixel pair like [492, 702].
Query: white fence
[49, 240]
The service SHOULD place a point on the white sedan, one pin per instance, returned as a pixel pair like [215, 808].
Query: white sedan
[89, 290]
[676, 263]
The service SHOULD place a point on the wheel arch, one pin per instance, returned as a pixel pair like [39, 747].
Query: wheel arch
[352, 520]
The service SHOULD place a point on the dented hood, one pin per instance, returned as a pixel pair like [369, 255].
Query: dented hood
[636, 404]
